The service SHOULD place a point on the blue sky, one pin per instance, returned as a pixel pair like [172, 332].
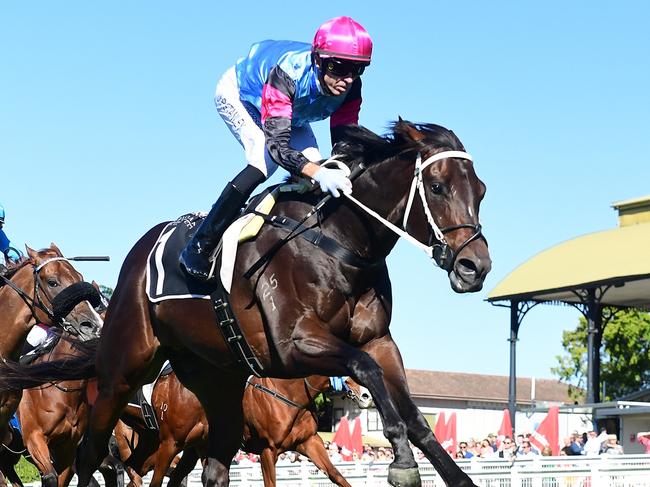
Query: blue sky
[107, 127]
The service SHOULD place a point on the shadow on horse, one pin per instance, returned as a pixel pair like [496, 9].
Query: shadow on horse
[36, 290]
[310, 309]
[279, 415]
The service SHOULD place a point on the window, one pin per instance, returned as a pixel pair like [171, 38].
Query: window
[374, 421]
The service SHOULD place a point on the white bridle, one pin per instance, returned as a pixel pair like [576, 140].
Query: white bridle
[416, 184]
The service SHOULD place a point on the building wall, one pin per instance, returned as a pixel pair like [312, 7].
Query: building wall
[630, 426]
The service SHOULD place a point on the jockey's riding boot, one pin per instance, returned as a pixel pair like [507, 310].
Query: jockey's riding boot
[195, 257]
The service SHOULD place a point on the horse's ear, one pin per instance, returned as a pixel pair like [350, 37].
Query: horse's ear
[56, 249]
[31, 253]
[95, 285]
[399, 118]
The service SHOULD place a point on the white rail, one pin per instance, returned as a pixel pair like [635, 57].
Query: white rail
[578, 471]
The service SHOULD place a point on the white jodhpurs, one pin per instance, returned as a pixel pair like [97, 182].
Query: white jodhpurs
[245, 124]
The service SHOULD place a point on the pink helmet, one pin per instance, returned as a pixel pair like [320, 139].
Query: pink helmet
[344, 38]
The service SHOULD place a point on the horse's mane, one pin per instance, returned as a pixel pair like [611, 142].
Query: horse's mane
[13, 268]
[359, 142]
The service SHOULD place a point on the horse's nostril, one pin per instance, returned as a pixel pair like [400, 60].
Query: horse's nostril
[466, 266]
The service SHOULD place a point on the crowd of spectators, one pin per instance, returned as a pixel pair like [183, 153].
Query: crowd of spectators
[589, 443]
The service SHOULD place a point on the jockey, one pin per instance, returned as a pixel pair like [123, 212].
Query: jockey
[9, 253]
[268, 99]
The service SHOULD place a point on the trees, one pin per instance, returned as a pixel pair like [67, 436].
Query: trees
[625, 354]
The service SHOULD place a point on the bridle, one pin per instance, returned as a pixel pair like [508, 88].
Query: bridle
[37, 302]
[438, 249]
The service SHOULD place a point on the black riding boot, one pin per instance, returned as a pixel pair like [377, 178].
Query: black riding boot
[195, 257]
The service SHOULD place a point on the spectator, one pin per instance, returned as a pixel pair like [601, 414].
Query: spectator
[508, 449]
[566, 449]
[594, 443]
[547, 452]
[283, 458]
[526, 449]
[334, 453]
[462, 447]
[485, 449]
[493, 442]
[611, 446]
[575, 447]
[643, 437]
[519, 441]
[460, 454]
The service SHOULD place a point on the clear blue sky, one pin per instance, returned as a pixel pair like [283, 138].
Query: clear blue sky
[107, 127]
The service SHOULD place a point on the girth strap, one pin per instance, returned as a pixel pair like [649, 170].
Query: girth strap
[320, 240]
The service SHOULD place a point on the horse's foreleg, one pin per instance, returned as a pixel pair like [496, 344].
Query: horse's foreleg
[40, 453]
[267, 459]
[314, 449]
[387, 355]
[220, 394]
[183, 468]
[322, 353]
[65, 476]
[166, 453]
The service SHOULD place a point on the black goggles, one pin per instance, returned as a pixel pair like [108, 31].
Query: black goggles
[343, 68]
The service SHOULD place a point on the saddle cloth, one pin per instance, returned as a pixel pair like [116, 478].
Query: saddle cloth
[166, 279]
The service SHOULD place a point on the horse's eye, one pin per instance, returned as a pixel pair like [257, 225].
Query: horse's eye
[437, 188]
[52, 282]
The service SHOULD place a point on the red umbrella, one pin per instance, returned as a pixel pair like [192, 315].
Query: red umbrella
[356, 441]
[441, 427]
[506, 427]
[547, 433]
[342, 438]
[450, 441]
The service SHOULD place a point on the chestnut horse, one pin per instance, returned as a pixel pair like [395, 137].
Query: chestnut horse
[28, 294]
[53, 418]
[318, 308]
[279, 416]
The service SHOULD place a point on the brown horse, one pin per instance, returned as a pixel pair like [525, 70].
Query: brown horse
[313, 308]
[27, 294]
[279, 416]
[53, 420]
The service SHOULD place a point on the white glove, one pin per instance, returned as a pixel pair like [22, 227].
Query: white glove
[333, 180]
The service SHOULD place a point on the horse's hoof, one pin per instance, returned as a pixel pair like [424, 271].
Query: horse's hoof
[404, 477]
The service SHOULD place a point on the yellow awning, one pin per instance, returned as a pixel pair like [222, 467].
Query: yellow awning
[619, 258]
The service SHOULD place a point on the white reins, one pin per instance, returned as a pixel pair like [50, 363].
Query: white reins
[416, 184]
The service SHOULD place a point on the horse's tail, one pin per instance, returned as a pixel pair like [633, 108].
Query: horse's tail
[80, 365]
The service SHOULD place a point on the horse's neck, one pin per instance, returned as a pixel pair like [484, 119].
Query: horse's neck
[383, 187]
[15, 316]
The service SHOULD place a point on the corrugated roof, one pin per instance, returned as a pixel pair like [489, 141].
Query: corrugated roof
[619, 258]
[482, 388]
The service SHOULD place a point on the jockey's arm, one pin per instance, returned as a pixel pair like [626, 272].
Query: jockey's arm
[277, 109]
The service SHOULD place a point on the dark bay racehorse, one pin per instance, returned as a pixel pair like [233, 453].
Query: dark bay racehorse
[279, 416]
[306, 312]
[27, 292]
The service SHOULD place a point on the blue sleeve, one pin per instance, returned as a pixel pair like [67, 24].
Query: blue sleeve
[4, 241]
